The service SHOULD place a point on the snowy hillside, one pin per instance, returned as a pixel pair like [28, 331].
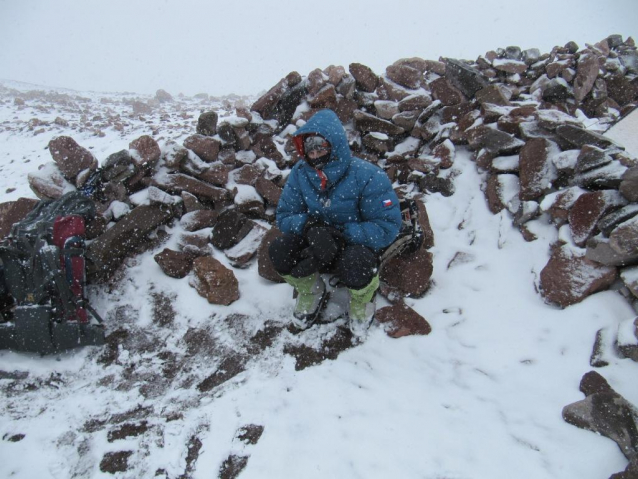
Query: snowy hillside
[189, 389]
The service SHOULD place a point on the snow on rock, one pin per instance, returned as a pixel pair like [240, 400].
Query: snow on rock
[569, 277]
[49, 183]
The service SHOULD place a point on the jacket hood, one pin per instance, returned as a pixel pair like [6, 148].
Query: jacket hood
[327, 124]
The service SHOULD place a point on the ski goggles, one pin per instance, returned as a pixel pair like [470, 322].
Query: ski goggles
[315, 143]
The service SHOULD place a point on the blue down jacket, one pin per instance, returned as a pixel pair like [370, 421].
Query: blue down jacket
[355, 196]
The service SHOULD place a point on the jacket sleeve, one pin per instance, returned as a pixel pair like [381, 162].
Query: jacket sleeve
[292, 211]
[380, 213]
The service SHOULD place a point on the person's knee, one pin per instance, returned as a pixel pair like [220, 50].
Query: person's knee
[284, 251]
[357, 266]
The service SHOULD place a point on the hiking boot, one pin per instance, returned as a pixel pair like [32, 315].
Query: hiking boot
[311, 295]
[362, 308]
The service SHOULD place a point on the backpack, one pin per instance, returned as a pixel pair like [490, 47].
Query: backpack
[411, 234]
[43, 279]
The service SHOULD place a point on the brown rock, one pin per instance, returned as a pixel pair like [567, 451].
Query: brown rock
[495, 142]
[592, 383]
[325, 98]
[365, 78]
[588, 209]
[148, 151]
[586, 74]
[404, 75]
[365, 122]
[174, 263]
[316, 81]
[203, 146]
[447, 94]
[48, 183]
[191, 203]
[217, 174]
[629, 185]
[268, 190]
[569, 277]
[466, 78]
[624, 239]
[345, 109]
[231, 227]
[199, 219]
[391, 91]
[335, 74]
[415, 102]
[240, 254]
[510, 66]
[409, 274]
[492, 94]
[498, 191]
[248, 174]
[266, 104]
[176, 183]
[70, 157]
[214, 281]
[445, 153]
[402, 321]
[599, 250]
[535, 168]
[13, 211]
[265, 267]
[107, 251]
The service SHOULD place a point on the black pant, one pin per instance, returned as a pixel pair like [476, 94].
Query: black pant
[356, 265]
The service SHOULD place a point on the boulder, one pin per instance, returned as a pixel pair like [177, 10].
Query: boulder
[13, 211]
[265, 267]
[214, 281]
[629, 276]
[401, 320]
[629, 184]
[175, 264]
[389, 91]
[600, 251]
[510, 66]
[108, 250]
[408, 274]
[199, 219]
[191, 203]
[624, 238]
[446, 93]
[569, 277]
[70, 157]
[247, 174]
[265, 105]
[386, 109]
[48, 183]
[556, 90]
[492, 94]
[610, 221]
[216, 175]
[203, 146]
[502, 192]
[579, 137]
[145, 151]
[588, 209]
[316, 81]
[495, 142]
[163, 96]
[178, 182]
[268, 190]
[536, 171]
[365, 122]
[586, 74]
[365, 78]
[118, 167]
[325, 98]
[241, 254]
[231, 227]
[415, 102]
[467, 79]
[609, 414]
[404, 75]
[445, 153]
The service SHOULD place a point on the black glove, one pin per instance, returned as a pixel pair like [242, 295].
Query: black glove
[326, 243]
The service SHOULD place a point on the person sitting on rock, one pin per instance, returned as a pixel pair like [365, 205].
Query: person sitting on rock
[337, 214]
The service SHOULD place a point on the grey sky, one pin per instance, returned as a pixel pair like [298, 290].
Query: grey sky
[244, 47]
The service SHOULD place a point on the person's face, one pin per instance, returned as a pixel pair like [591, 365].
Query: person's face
[318, 153]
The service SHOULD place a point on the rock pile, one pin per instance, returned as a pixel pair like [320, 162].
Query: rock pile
[532, 121]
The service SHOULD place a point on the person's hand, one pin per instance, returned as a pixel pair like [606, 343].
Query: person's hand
[326, 243]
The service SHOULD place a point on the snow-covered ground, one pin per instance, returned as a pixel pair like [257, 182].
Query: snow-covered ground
[479, 397]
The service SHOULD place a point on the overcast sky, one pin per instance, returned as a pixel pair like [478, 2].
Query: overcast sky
[245, 47]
